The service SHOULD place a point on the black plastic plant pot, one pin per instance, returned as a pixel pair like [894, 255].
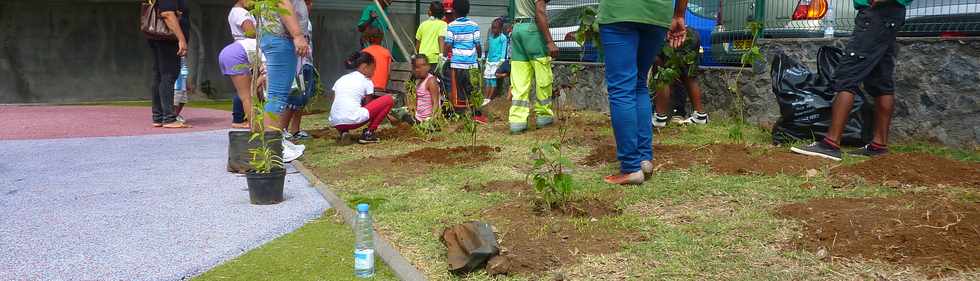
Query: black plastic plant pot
[266, 189]
[239, 146]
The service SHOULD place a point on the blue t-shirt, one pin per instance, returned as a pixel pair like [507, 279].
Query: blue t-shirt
[463, 35]
[497, 48]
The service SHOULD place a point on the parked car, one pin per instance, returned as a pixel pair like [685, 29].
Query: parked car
[942, 18]
[564, 21]
[811, 19]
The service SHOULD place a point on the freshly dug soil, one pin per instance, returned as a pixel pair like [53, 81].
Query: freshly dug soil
[916, 169]
[406, 166]
[325, 133]
[450, 156]
[734, 159]
[722, 158]
[400, 131]
[934, 233]
[588, 208]
[534, 244]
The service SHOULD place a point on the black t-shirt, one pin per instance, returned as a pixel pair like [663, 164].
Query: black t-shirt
[180, 8]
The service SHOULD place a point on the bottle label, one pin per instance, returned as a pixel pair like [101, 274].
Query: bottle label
[363, 259]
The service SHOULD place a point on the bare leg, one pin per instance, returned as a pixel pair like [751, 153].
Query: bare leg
[285, 118]
[490, 91]
[839, 115]
[243, 85]
[295, 122]
[884, 107]
[694, 92]
[178, 108]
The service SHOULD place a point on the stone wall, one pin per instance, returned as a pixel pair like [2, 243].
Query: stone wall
[937, 80]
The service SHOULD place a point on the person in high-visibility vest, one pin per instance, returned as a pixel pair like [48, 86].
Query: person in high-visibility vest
[532, 50]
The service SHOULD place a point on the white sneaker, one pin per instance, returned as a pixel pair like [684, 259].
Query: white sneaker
[291, 145]
[660, 121]
[288, 155]
[699, 118]
[485, 102]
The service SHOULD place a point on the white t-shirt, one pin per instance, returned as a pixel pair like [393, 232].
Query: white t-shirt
[349, 90]
[236, 17]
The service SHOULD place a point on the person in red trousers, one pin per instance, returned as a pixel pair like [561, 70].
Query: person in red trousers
[355, 102]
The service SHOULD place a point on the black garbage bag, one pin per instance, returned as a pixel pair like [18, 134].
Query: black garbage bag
[805, 99]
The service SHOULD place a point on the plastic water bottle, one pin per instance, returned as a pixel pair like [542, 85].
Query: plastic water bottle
[828, 31]
[364, 243]
[181, 84]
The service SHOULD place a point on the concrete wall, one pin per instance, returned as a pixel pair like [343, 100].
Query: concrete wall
[938, 97]
[77, 51]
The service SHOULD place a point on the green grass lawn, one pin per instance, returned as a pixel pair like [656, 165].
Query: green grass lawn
[320, 250]
[697, 224]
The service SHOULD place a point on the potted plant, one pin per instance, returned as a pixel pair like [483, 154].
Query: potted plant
[267, 175]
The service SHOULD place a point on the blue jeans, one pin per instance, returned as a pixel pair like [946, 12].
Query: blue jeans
[635, 46]
[280, 65]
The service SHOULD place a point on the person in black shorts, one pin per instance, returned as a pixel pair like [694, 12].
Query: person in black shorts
[869, 60]
[663, 101]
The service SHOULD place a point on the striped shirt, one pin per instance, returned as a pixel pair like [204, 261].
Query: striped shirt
[463, 35]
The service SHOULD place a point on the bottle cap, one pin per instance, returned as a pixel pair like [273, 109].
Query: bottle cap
[363, 207]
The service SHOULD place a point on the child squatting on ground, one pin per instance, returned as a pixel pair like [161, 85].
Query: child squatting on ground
[355, 103]
[427, 91]
[869, 60]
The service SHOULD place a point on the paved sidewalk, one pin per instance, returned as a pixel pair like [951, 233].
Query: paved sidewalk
[146, 207]
[48, 122]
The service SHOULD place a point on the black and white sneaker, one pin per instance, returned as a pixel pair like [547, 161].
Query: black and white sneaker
[368, 137]
[660, 121]
[869, 150]
[819, 149]
[698, 118]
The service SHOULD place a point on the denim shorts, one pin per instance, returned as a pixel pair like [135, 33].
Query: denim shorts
[281, 62]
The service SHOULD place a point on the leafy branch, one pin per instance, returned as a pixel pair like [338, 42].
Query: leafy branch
[751, 56]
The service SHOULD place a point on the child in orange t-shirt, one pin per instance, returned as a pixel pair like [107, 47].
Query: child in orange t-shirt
[382, 58]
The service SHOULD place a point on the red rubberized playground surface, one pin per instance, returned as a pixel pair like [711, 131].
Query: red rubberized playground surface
[54, 122]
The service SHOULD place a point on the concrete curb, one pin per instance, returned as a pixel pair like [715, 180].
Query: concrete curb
[399, 264]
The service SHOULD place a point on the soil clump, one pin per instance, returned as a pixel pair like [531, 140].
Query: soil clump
[917, 169]
[732, 159]
[458, 155]
[535, 243]
[934, 233]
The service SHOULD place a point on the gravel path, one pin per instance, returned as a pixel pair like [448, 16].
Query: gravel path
[152, 207]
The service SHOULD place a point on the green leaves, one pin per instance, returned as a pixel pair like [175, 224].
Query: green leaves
[588, 30]
[551, 183]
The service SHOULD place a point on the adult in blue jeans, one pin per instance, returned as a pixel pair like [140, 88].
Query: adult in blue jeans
[283, 42]
[635, 30]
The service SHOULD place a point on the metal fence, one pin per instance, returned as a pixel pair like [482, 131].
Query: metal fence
[830, 18]
[723, 25]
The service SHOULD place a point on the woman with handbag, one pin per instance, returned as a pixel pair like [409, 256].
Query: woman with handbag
[165, 23]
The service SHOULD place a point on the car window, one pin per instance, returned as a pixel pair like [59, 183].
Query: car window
[704, 8]
[564, 17]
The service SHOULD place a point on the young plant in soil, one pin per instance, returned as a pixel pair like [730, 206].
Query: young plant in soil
[548, 174]
[750, 57]
[425, 129]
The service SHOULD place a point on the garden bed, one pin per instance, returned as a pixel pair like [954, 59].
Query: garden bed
[713, 210]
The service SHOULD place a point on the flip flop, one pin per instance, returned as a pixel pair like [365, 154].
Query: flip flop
[157, 125]
[177, 125]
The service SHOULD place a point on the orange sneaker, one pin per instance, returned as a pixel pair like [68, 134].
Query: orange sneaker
[633, 178]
